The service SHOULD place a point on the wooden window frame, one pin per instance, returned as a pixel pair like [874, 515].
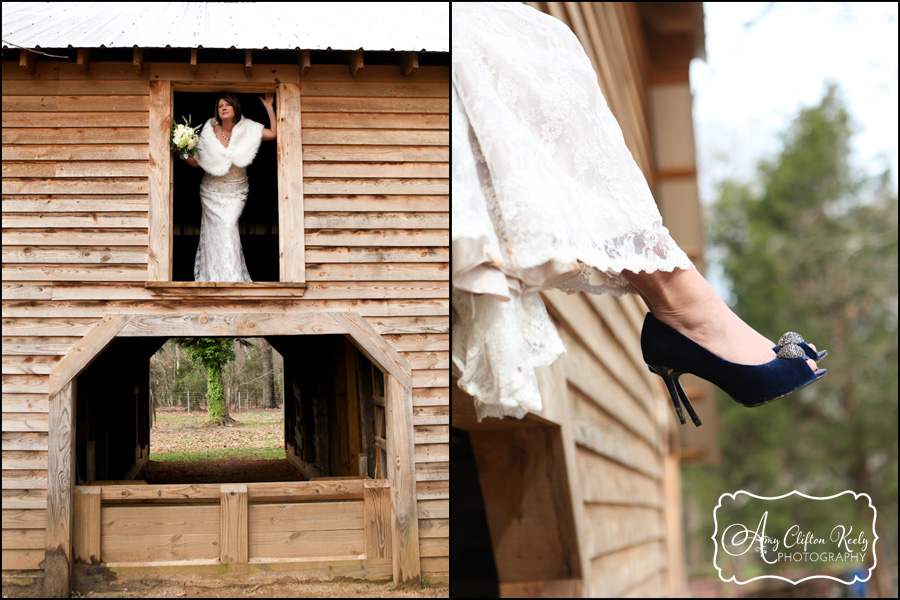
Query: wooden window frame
[289, 151]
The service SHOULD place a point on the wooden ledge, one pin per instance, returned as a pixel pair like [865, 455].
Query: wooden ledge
[223, 284]
[204, 287]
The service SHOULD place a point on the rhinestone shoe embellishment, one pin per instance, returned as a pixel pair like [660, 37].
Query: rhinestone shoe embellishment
[791, 337]
[791, 350]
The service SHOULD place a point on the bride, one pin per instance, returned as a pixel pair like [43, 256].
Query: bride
[228, 144]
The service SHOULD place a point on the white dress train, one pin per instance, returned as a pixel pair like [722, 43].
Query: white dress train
[545, 195]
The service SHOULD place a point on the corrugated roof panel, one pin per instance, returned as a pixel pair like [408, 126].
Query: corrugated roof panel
[418, 26]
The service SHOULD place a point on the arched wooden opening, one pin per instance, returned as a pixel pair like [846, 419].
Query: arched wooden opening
[398, 422]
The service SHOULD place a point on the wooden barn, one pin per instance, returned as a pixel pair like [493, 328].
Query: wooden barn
[346, 235]
[583, 498]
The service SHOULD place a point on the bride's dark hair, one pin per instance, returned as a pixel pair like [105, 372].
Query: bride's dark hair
[233, 101]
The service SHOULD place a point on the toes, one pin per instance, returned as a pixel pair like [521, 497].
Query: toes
[812, 364]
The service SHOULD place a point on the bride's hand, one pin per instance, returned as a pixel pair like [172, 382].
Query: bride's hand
[268, 100]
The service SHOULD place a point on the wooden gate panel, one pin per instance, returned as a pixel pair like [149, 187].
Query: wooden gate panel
[331, 520]
[159, 533]
[306, 530]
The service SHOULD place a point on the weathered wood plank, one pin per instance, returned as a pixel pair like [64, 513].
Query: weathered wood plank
[87, 525]
[342, 489]
[246, 324]
[377, 522]
[401, 467]
[159, 267]
[233, 525]
[60, 489]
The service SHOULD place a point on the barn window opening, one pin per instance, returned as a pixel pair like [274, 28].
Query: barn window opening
[324, 416]
[258, 224]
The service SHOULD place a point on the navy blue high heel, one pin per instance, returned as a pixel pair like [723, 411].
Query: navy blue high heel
[670, 354]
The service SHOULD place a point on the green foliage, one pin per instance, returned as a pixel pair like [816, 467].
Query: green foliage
[210, 352]
[810, 246]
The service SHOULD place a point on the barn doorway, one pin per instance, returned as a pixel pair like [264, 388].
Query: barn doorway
[333, 408]
[258, 225]
[352, 525]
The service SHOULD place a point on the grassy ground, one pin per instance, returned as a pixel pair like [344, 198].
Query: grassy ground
[179, 436]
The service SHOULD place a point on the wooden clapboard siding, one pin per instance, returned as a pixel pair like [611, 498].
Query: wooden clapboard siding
[620, 429]
[76, 216]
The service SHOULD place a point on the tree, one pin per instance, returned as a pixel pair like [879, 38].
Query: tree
[213, 354]
[811, 246]
[268, 377]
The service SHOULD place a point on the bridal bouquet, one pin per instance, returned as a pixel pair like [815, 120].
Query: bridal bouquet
[183, 139]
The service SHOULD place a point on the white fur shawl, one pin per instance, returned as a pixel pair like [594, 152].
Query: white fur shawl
[216, 159]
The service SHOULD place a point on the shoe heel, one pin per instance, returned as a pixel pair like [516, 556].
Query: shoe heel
[684, 399]
[664, 372]
[670, 376]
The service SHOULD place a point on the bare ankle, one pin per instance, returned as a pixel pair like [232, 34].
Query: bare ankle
[677, 294]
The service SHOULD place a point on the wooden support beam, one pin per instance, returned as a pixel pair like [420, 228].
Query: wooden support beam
[248, 63]
[60, 487]
[356, 62]
[234, 324]
[87, 525]
[409, 62]
[194, 64]
[234, 514]
[27, 61]
[341, 488]
[138, 59]
[84, 60]
[402, 475]
[377, 518]
[289, 146]
[304, 61]
[159, 265]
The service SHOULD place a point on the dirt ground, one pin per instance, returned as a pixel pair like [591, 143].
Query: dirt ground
[253, 585]
[233, 470]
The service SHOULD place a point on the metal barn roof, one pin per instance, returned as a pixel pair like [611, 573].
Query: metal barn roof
[412, 26]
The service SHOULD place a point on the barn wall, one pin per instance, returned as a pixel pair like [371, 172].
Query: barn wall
[75, 246]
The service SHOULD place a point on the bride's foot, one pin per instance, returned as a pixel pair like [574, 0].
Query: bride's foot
[686, 302]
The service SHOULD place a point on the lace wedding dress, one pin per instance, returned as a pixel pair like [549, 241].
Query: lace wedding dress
[223, 193]
[545, 195]
[220, 256]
